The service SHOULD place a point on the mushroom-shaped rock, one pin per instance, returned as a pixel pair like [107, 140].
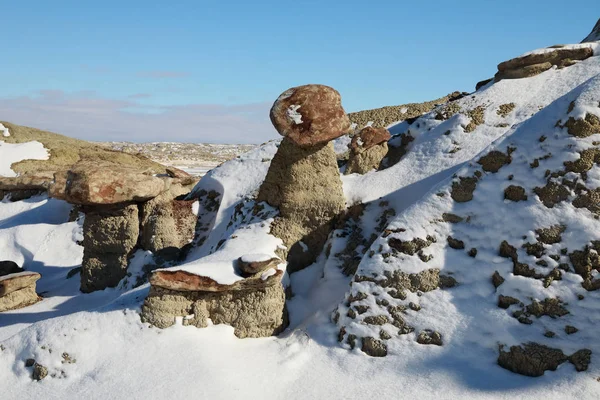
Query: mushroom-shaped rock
[17, 290]
[309, 115]
[303, 180]
[367, 150]
[104, 182]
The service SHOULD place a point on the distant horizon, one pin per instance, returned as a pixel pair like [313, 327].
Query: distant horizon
[202, 72]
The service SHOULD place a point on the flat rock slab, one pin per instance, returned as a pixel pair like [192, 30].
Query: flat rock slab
[103, 182]
[13, 282]
[553, 57]
[189, 282]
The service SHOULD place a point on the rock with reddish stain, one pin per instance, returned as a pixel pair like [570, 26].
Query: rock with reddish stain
[310, 115]
[103, 182]
[369, 137]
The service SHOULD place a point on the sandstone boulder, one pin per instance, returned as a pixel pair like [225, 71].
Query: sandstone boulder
[538, 62]
[310, 115]
[104, 182]
[17, 290]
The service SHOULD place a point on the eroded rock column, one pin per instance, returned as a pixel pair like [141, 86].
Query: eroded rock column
[303, 181]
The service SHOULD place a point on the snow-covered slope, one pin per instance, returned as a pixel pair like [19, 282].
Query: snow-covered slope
[119, 356]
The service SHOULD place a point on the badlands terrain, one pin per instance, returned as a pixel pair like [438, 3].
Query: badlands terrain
[445, 250]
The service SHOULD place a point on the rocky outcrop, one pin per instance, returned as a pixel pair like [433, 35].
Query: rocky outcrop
[384, 116]
[538, 62]
[303, 181]
[125, 209]
[367, 150]
[594, 34]
[17, 290]
[254, 307]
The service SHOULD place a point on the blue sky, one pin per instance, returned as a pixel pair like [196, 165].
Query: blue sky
[210, 69]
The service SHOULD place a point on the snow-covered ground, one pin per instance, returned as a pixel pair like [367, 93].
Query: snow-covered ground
[12, 153]
[118, 356]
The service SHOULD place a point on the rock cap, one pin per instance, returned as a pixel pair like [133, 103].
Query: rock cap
[310, 115]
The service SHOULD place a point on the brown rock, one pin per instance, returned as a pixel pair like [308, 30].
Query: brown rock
[531, 359]
[523, 72]
[252, 313]
[551, 57]
[13, 282]
[362, 161]
[251, 266]
[369, 137]
[18, 290]
[167, 223]
[183, 281]
[103, 182]
[309, 115]
[110, 235]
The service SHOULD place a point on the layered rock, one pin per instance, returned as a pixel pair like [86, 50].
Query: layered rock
[17, 290]
[254, 307]
[367, 149]
[538, 62]
[303, 181]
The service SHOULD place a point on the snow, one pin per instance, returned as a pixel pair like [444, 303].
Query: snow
[294, 115]
[4, 130]
[195, 208]
[255, 258]
[15, 275]
[120, 357]
[12, 153]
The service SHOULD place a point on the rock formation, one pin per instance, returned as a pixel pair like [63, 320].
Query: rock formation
[254, 307]
[538, 62]
[35, 176]
[17, 287]
[125, 209]
[367, 149]
[303, 181]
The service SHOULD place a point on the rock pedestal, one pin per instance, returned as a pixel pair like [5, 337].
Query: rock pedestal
[110, 235]
[303, 181]
[254, 307]
[367, 149]
[125, 209]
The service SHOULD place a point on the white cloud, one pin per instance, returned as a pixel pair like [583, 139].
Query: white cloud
[86, 116]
